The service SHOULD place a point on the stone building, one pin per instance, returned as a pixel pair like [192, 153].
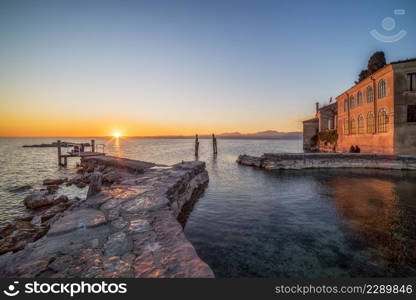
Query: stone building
[378, 114]
[310, 135]
[325, 120]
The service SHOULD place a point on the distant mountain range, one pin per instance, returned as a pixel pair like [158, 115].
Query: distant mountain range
[268, 134]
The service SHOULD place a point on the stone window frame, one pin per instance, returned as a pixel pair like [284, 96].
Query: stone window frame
[411, 113]
[370, 122]
[346, 105]
[352, 102]
[381, 87]
[353, 128]
[369, 94]
[411, 81]
[382, 121]
[359, 98]
[361, 125]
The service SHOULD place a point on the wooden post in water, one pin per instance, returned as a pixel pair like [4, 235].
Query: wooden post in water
[196, 146]
[214, 144]
[59, 152]
[92, 145]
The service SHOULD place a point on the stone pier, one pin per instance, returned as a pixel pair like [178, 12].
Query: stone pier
[129, 229]
[296, 161]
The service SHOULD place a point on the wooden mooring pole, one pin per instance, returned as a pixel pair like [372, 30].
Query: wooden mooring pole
[214, 144]
[196, 146]
[92, 145]
[59, 152]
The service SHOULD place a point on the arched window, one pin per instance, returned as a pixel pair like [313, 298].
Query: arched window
[369, 94]
[353, 128]
[370, 122]
[381, 88]
[383, 120]
[359, 98]
[352, 101]
[346, 105]
[346, 127]
[360, 124]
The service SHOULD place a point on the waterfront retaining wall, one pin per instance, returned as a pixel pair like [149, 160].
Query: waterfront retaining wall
[278, 161]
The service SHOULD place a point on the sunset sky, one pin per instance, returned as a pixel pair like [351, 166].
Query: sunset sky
[90, 68]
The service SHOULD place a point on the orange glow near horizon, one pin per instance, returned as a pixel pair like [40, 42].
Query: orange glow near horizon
[36, 117]
[61, 125]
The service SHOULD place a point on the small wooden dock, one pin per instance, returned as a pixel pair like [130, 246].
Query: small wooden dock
[79, 150]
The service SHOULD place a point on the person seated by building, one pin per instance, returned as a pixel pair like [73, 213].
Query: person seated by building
[357, 149]
[352, 149]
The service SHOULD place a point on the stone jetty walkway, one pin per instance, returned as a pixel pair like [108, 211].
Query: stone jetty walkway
[129, 229]
[296, 161]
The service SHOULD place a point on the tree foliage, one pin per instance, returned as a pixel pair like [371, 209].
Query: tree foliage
[375, 63]
[363, 75]
[329, 136]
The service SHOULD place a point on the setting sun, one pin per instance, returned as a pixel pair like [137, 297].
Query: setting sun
[117, 134]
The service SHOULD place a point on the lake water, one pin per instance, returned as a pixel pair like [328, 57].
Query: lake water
[253, 223]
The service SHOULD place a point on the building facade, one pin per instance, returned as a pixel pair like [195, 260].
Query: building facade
[378, 115]
[310, 135]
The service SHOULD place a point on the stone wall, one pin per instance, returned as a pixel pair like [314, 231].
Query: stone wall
[405, 132]
[295, 161]
[310, 131]
[327, 147]
[129, 229]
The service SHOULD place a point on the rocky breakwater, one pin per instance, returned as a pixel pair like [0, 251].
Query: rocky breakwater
[296, 161]
[126, 227]
[42, 205]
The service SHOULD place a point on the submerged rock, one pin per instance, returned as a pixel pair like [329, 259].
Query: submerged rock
[41, 198]
[19, 189]
[52, 189]
[54, 181]
[81, 185]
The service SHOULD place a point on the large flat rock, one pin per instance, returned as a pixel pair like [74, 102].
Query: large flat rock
[78, 219]
[130, 229]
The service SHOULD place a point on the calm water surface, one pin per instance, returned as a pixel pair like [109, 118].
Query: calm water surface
[252, 223]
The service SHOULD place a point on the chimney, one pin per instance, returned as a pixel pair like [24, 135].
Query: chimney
[317, 106]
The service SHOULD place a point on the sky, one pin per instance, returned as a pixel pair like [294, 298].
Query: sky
[144, 68]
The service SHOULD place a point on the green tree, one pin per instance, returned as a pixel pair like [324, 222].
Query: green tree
[376, 61]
